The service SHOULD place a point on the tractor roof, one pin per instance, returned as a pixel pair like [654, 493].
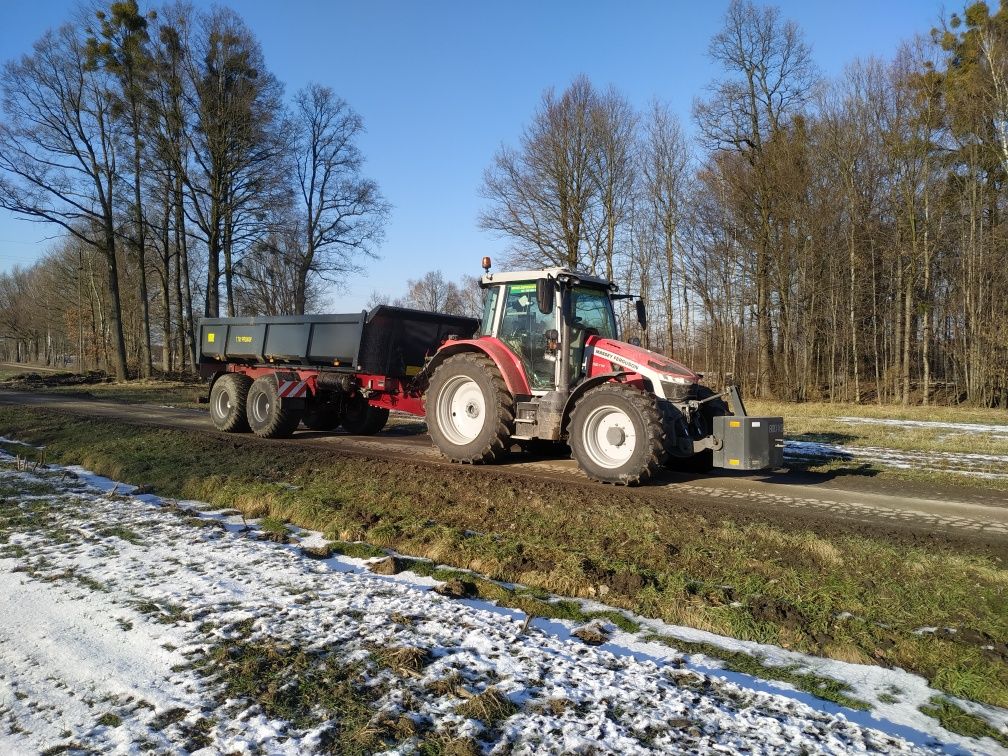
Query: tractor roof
[534, 275]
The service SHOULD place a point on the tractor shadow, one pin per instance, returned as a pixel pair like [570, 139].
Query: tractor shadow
[810, 459]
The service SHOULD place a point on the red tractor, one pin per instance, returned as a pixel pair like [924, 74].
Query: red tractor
[545, 364]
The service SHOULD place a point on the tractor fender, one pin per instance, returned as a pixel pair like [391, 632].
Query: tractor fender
[621, 376]
[507, 362]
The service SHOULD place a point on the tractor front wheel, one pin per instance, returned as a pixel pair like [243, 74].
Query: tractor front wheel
[616, 434]
[470, 412]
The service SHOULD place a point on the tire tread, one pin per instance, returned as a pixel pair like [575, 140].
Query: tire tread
[499, 442]
[654, 429]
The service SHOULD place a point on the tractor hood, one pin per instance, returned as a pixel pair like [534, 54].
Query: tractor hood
[670, 378]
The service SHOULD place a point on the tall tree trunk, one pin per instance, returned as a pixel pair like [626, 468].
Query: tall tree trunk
[166, 329]
[855, 355]
[907, 334]
[141, 250]
[182, 247]
[115, 306]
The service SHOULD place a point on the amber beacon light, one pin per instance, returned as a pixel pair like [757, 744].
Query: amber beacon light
[486, 264]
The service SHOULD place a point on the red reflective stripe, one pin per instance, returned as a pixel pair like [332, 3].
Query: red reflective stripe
[292, 389]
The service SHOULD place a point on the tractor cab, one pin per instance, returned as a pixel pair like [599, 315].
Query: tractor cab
[545, 318]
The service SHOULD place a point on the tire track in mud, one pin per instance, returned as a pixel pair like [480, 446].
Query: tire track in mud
[936, 520]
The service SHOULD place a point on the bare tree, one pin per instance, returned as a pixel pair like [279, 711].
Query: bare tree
[770, 77]
[235, 149]
[541, 194]
[434, 293]
[344, 212]
[119, 46]
[58, 153]
[267, 278]
[613, 173]
[664, 181]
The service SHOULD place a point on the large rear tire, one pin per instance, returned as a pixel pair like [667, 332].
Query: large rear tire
[268, 415]
[616, 434]
[361, 419]
[470, 412]
[227, 403]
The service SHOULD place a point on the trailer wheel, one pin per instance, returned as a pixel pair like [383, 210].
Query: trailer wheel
[268, 415]
[470, 412]
[616, 434]
[227, 403]
[322, 418]
[361, 419]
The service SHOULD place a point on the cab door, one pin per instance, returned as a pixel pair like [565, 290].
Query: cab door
[523, 329]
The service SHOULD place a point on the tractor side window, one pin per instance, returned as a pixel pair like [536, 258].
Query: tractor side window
[591, 314]
[489, 308]
[523, 329]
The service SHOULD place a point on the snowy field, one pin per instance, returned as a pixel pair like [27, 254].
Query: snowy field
[989, 466]
[126, 621]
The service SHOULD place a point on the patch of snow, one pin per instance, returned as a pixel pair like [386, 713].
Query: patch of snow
[101, 624]
[994, 430]
[977, 465]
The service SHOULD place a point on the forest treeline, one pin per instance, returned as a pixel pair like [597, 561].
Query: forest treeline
[817, 238]
[185, 185]
[820, 239]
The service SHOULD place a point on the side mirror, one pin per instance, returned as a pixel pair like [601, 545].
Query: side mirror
[544, 295]
[642, 314]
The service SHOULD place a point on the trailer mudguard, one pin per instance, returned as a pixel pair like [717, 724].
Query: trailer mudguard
[507, 362]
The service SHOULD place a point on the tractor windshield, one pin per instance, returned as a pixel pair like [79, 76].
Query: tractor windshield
[591, 309]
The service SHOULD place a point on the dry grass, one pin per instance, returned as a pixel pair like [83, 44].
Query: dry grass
[490, 707]
[746, 579]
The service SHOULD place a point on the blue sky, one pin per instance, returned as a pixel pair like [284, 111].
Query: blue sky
[442, 84]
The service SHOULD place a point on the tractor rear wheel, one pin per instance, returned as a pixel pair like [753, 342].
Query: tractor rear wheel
[227, 403]
[616, 434]
[470, 412]
[361, 419]
[269, 416]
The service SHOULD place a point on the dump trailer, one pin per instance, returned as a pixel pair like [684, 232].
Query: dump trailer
[269, 374]
[544, 363]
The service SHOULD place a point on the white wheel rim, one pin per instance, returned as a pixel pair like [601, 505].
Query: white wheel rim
[609, 436]
[259, 407]
[223, 404]
[461, 410]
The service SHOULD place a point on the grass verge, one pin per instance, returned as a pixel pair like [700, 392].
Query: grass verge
[849, 597]
[956, 719]
[933, 449]
[750, 664]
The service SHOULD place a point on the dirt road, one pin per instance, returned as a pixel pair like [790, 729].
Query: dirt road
[974, 517]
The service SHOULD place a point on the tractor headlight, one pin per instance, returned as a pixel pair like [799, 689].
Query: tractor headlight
[676, 390]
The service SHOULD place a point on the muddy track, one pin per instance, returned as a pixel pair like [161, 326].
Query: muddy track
[973, 519]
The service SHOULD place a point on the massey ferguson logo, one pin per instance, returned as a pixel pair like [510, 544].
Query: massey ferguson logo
[617, 359]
